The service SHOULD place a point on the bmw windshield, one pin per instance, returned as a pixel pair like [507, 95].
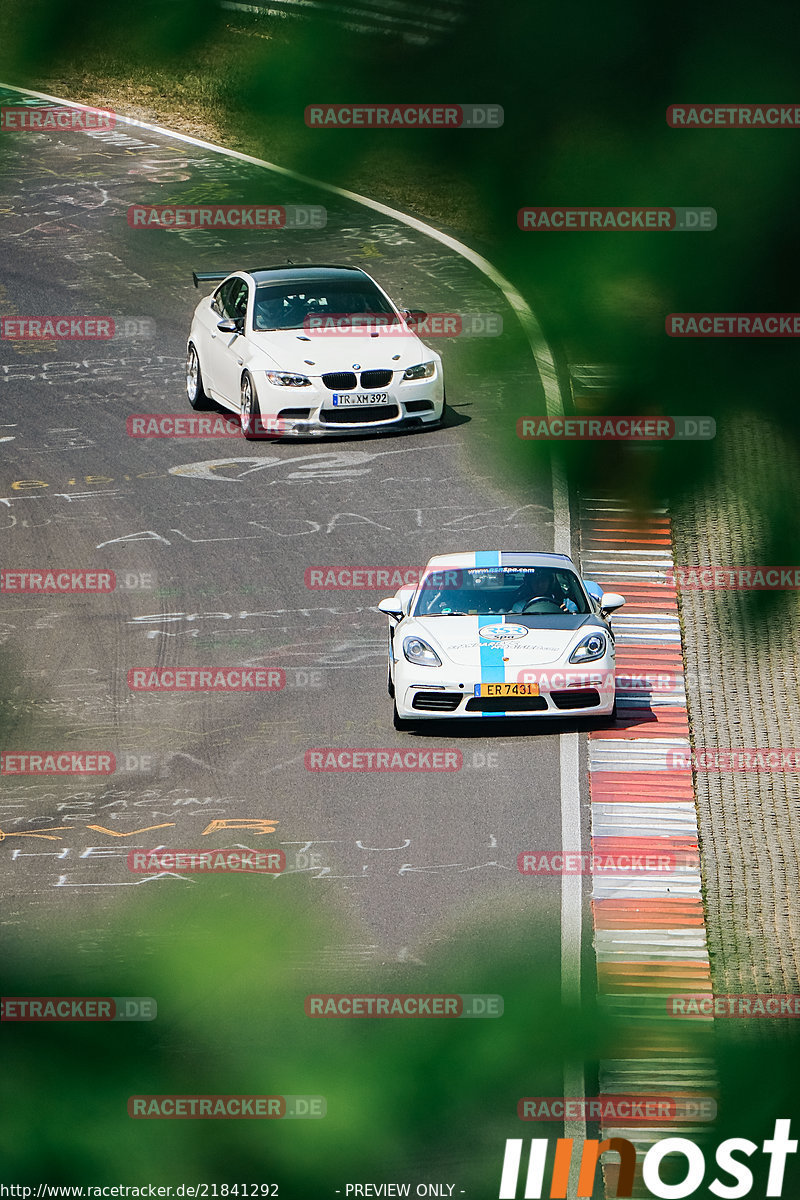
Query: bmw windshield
[321, 305]
[534, 591]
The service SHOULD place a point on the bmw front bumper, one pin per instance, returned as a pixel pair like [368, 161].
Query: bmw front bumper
[310, 411]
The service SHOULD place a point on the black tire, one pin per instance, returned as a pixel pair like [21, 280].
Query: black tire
[194, 381]
[402, 724]
[389, 684]
[443, 418]
[249, 413]
[607, 722]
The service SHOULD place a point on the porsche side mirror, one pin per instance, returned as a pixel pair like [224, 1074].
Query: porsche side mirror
[230, 325]
[610, 602]
[392, 607]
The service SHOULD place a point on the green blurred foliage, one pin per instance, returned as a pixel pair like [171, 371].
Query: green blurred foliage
[407, 1099]
[40, 33]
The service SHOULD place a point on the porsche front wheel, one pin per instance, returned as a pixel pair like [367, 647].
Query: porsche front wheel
[403, 724]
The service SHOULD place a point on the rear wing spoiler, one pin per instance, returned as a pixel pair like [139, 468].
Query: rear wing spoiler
[209, 276]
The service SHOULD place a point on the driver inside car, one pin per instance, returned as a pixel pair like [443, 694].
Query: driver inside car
[541, 583]
[280, 312]
[268, 312]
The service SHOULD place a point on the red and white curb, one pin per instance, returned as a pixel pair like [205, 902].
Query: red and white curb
[649, 929]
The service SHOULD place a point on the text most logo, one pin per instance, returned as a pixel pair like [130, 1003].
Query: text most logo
[692, 1168]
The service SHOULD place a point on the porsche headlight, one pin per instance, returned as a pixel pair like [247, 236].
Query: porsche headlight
[593, 646]
[287, 379]
[420, 371]
[419, 652]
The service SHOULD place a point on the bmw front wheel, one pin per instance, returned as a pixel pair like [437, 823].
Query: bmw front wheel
[194, 380]
[250, 414]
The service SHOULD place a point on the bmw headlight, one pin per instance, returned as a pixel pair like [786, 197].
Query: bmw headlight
[420, 371]
[593, 646]
[287, 379]
[419, 652]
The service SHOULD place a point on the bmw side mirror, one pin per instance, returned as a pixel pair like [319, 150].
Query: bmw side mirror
[230, 325]
[414, 315]
[392, 607]
[610, 602]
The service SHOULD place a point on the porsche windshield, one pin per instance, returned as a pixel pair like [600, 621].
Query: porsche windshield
[536, 591]
[321, 306]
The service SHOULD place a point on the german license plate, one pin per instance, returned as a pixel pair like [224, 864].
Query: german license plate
[358, 399]
[506, 689]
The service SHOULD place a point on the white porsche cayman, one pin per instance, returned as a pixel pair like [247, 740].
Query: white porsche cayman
[310, 351]
[496, 634]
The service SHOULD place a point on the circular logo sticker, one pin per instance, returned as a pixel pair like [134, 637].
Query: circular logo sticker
[503, 633]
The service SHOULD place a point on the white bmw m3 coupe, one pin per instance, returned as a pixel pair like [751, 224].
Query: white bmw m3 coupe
[311, 351]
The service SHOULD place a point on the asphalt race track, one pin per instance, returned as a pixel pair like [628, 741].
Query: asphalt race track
[210, 541]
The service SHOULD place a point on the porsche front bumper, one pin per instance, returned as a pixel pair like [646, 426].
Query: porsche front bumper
[562, 693]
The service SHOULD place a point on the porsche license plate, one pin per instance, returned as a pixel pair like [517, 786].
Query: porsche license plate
[506, 689]
[360, 399]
